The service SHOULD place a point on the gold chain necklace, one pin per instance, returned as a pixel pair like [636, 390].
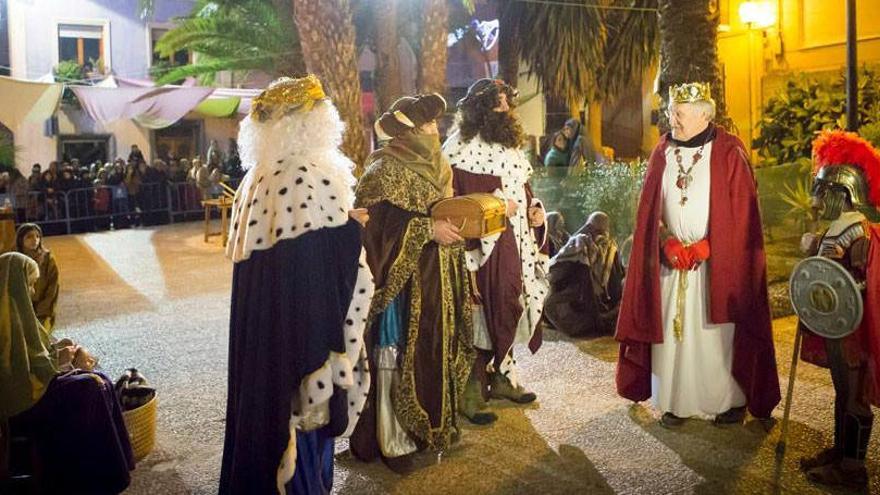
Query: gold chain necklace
[685, 177]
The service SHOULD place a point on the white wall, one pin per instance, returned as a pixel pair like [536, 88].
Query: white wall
[221, 130]
[531, 112]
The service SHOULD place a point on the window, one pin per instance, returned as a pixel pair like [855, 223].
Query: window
[179, 58]
[82, 44]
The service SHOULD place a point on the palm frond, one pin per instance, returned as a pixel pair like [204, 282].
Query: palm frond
[798, 197]
[565, 51]
[582, 53]
[633, 46]
[245, 35]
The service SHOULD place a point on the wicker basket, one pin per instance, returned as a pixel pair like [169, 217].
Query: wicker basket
[141, 426]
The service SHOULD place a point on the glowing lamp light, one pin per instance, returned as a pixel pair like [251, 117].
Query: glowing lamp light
[758, 14]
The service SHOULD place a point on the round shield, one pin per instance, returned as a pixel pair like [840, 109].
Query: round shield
[825, 297]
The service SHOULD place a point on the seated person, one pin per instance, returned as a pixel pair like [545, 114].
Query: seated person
[557, 233]
[557, 156]
[73, 419]
[586, 281]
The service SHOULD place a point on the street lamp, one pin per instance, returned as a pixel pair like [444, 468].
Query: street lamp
[761, 15]
[757, 14]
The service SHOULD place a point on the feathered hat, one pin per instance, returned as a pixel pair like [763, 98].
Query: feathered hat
[846, 159]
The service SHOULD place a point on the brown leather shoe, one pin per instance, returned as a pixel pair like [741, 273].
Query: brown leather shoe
[402, 465]
[732, 416]
[501, 388]
[670, 420]
[823, 458]
[835, 475]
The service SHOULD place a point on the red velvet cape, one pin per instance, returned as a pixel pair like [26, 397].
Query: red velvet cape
[737, 279]
[499, 280]
[864, 343]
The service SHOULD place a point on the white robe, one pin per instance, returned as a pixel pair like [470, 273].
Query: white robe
[692, 377]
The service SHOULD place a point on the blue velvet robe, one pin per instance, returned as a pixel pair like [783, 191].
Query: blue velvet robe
[289, 305]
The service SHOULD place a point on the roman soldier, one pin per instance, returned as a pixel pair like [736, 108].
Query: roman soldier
[846, 182]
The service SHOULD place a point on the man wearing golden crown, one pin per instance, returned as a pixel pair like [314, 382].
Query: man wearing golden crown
[694, 325]
[298, 373]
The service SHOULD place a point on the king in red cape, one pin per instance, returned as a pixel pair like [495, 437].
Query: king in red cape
[694, 327]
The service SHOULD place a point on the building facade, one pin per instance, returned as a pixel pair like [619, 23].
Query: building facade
[105, 37]
[794, 37]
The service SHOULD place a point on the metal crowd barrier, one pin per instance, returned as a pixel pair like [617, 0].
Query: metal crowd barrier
[98, 208]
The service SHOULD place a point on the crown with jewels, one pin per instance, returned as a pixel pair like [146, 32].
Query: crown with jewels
[287, 94]
[690, 92]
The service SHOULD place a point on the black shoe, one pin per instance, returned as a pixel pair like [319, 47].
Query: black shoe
[482, 418]
[835, 474]
[827, 456]
[734, 415]
[402, 465]
[670, 420]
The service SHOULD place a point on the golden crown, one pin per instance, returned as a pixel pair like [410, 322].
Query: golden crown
[690, 92]
[288, 94]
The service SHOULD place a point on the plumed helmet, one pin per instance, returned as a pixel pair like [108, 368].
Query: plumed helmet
[844, 159]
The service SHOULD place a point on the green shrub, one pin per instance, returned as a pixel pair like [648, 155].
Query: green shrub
[8, 150]
[807, 105]
[612, 188]
[69, 71]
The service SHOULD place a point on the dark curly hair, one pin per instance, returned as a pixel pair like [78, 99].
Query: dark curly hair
[479, 117]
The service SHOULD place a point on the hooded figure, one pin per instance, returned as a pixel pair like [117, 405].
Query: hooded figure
[56, 410]
[579, 148]
[846, 171]
[586, 281]
[29, 241]
[420, 332]
[298, 375]
[557, 233]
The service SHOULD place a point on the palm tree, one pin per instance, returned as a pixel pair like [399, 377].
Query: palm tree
[432, 48]
[327, 37]
[508, 42]
[247, 35]
[386, 38]
[689, 50]
[579, 52]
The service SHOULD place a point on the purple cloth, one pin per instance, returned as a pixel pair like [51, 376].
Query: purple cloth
[80, 436]
[151, 107]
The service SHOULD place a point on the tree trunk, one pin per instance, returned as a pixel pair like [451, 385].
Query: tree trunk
[689, 51]
[594, 123]
[508, 43]
[388, 87]
[288, 64]
[327, 37]
[432, 59]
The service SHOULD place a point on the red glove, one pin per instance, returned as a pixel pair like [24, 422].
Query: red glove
[699, 252]
[677, 256]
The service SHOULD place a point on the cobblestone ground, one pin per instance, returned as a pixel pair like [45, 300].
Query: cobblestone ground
[158, 299]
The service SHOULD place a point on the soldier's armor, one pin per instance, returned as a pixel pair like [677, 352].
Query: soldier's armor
[849, 234]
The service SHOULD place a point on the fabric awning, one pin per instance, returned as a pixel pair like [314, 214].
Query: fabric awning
[223, 102]
[218, 107]
[151, 107]
[22, 101]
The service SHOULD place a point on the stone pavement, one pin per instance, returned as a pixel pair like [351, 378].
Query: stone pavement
[158, 300]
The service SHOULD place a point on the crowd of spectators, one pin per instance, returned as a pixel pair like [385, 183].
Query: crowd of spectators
[124, 190]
